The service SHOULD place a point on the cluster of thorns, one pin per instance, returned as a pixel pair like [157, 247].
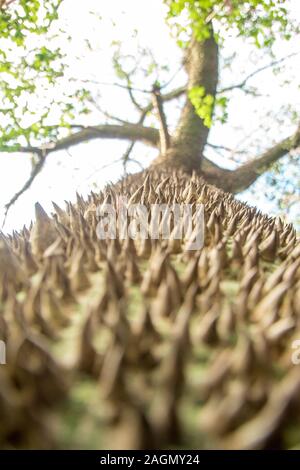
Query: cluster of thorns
[180, 348]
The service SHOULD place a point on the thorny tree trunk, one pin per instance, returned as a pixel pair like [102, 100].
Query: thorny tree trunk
[187, 145]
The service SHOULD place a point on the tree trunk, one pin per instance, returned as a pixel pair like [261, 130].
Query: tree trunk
[187, 145]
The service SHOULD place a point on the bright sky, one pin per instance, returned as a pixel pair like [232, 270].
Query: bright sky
[85, 167]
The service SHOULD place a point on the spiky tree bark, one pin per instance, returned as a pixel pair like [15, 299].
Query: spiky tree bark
[149, 344]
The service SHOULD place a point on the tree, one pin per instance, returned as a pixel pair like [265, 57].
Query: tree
[144, 343]
[201, 28]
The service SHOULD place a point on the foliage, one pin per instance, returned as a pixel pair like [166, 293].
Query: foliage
[32, 62]
[259, 20]
[207, 107]
[31, 65]
[203, 104]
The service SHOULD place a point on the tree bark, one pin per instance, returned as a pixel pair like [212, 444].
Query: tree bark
[187, 145]
[164, 136]
[132, 132]
[244, 176]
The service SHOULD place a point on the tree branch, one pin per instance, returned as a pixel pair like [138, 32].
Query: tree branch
[126, 157]
[163, 127]
[246, 174]
[5, 3]
[105, 113]
[238, 180]
[133, 132]
[37, 168]
[226, 149]
[115, 84]
[167, 97]
[131, 95]
[243, 177]
[243, 83]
